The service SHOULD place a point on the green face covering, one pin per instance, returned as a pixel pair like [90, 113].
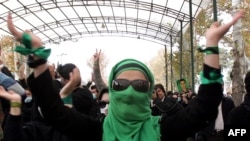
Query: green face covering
[129, 114]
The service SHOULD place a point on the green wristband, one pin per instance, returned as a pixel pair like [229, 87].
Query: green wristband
[209, 50]
[67, 99]
[15, 104]
[214, 78]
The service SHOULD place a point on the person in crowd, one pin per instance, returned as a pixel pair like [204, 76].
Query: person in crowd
[160, 93]
[94, 92]
[185, 98]
[176, 96]
[15, 110]
[9, 83]
[97, 77]
[103, 102]
[239, 117]
[182, 85]
[130, 85]
[27, 102]
[103, 97]
[214, 130]
[163, 104]
[72, 94]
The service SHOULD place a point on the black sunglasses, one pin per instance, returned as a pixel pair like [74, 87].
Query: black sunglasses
[102, 104]
[138, 85]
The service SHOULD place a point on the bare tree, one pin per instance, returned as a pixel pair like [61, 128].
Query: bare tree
[239, 68]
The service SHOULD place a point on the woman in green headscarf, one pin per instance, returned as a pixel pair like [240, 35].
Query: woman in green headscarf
[131, 84]
[129, 114]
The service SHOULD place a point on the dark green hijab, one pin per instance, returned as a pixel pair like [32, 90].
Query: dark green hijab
[129, 114]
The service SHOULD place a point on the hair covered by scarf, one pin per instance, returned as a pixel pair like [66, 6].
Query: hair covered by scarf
[129, 114]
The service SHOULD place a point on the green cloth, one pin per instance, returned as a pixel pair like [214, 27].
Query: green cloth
[209, 50]
[67, 99]
[26, 48]
[214, 78]
[129, 114]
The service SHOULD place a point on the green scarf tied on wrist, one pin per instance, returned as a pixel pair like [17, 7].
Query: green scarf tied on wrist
[26, 48]
[129, 114]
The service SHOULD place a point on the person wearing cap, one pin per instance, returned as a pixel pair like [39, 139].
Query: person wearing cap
[131, 84]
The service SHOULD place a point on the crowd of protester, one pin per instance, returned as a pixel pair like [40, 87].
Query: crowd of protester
[51, 104]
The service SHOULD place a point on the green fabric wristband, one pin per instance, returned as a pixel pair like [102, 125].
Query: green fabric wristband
[26, 48]
[214, 78]
[209, 50]
[67, 99]
[15, 104]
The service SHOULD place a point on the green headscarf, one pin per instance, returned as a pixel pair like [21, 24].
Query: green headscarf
[129, 114]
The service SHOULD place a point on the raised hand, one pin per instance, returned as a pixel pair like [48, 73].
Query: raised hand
[217, 31]
[12, 29]
[74, 80]
[97, 55]
[75, 77]
[36, 41]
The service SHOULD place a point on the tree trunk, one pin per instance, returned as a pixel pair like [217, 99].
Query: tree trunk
[239, 69]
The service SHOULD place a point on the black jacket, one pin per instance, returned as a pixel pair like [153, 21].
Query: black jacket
[239, 118]
[168, 106]
[209, 131]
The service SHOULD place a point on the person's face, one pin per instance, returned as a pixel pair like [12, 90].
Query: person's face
[105, 103]
[160, 93]
[94, 91]
[183, 85]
